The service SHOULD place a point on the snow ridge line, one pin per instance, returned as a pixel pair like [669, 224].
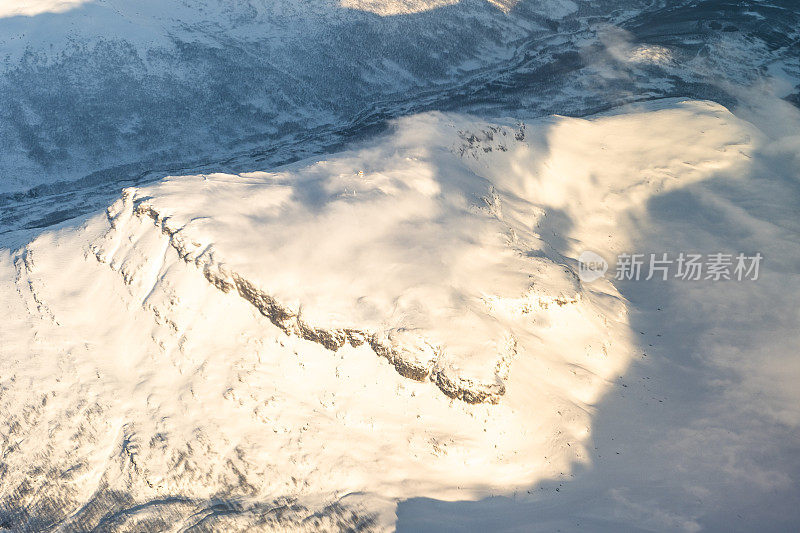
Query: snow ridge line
[291, 323]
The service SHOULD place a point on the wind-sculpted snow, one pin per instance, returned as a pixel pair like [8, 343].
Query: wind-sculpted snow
[290, 349]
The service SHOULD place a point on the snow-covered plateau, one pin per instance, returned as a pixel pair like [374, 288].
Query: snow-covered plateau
[302, 349]
[315, 265]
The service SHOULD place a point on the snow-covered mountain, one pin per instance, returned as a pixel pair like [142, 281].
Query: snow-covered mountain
[99, 94]
[304, 348]
[274, 265]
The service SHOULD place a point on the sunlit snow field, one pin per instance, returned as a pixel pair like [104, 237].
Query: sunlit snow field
[280, 265]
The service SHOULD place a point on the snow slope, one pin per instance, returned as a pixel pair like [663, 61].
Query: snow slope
[701, 432]
[305, 348]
